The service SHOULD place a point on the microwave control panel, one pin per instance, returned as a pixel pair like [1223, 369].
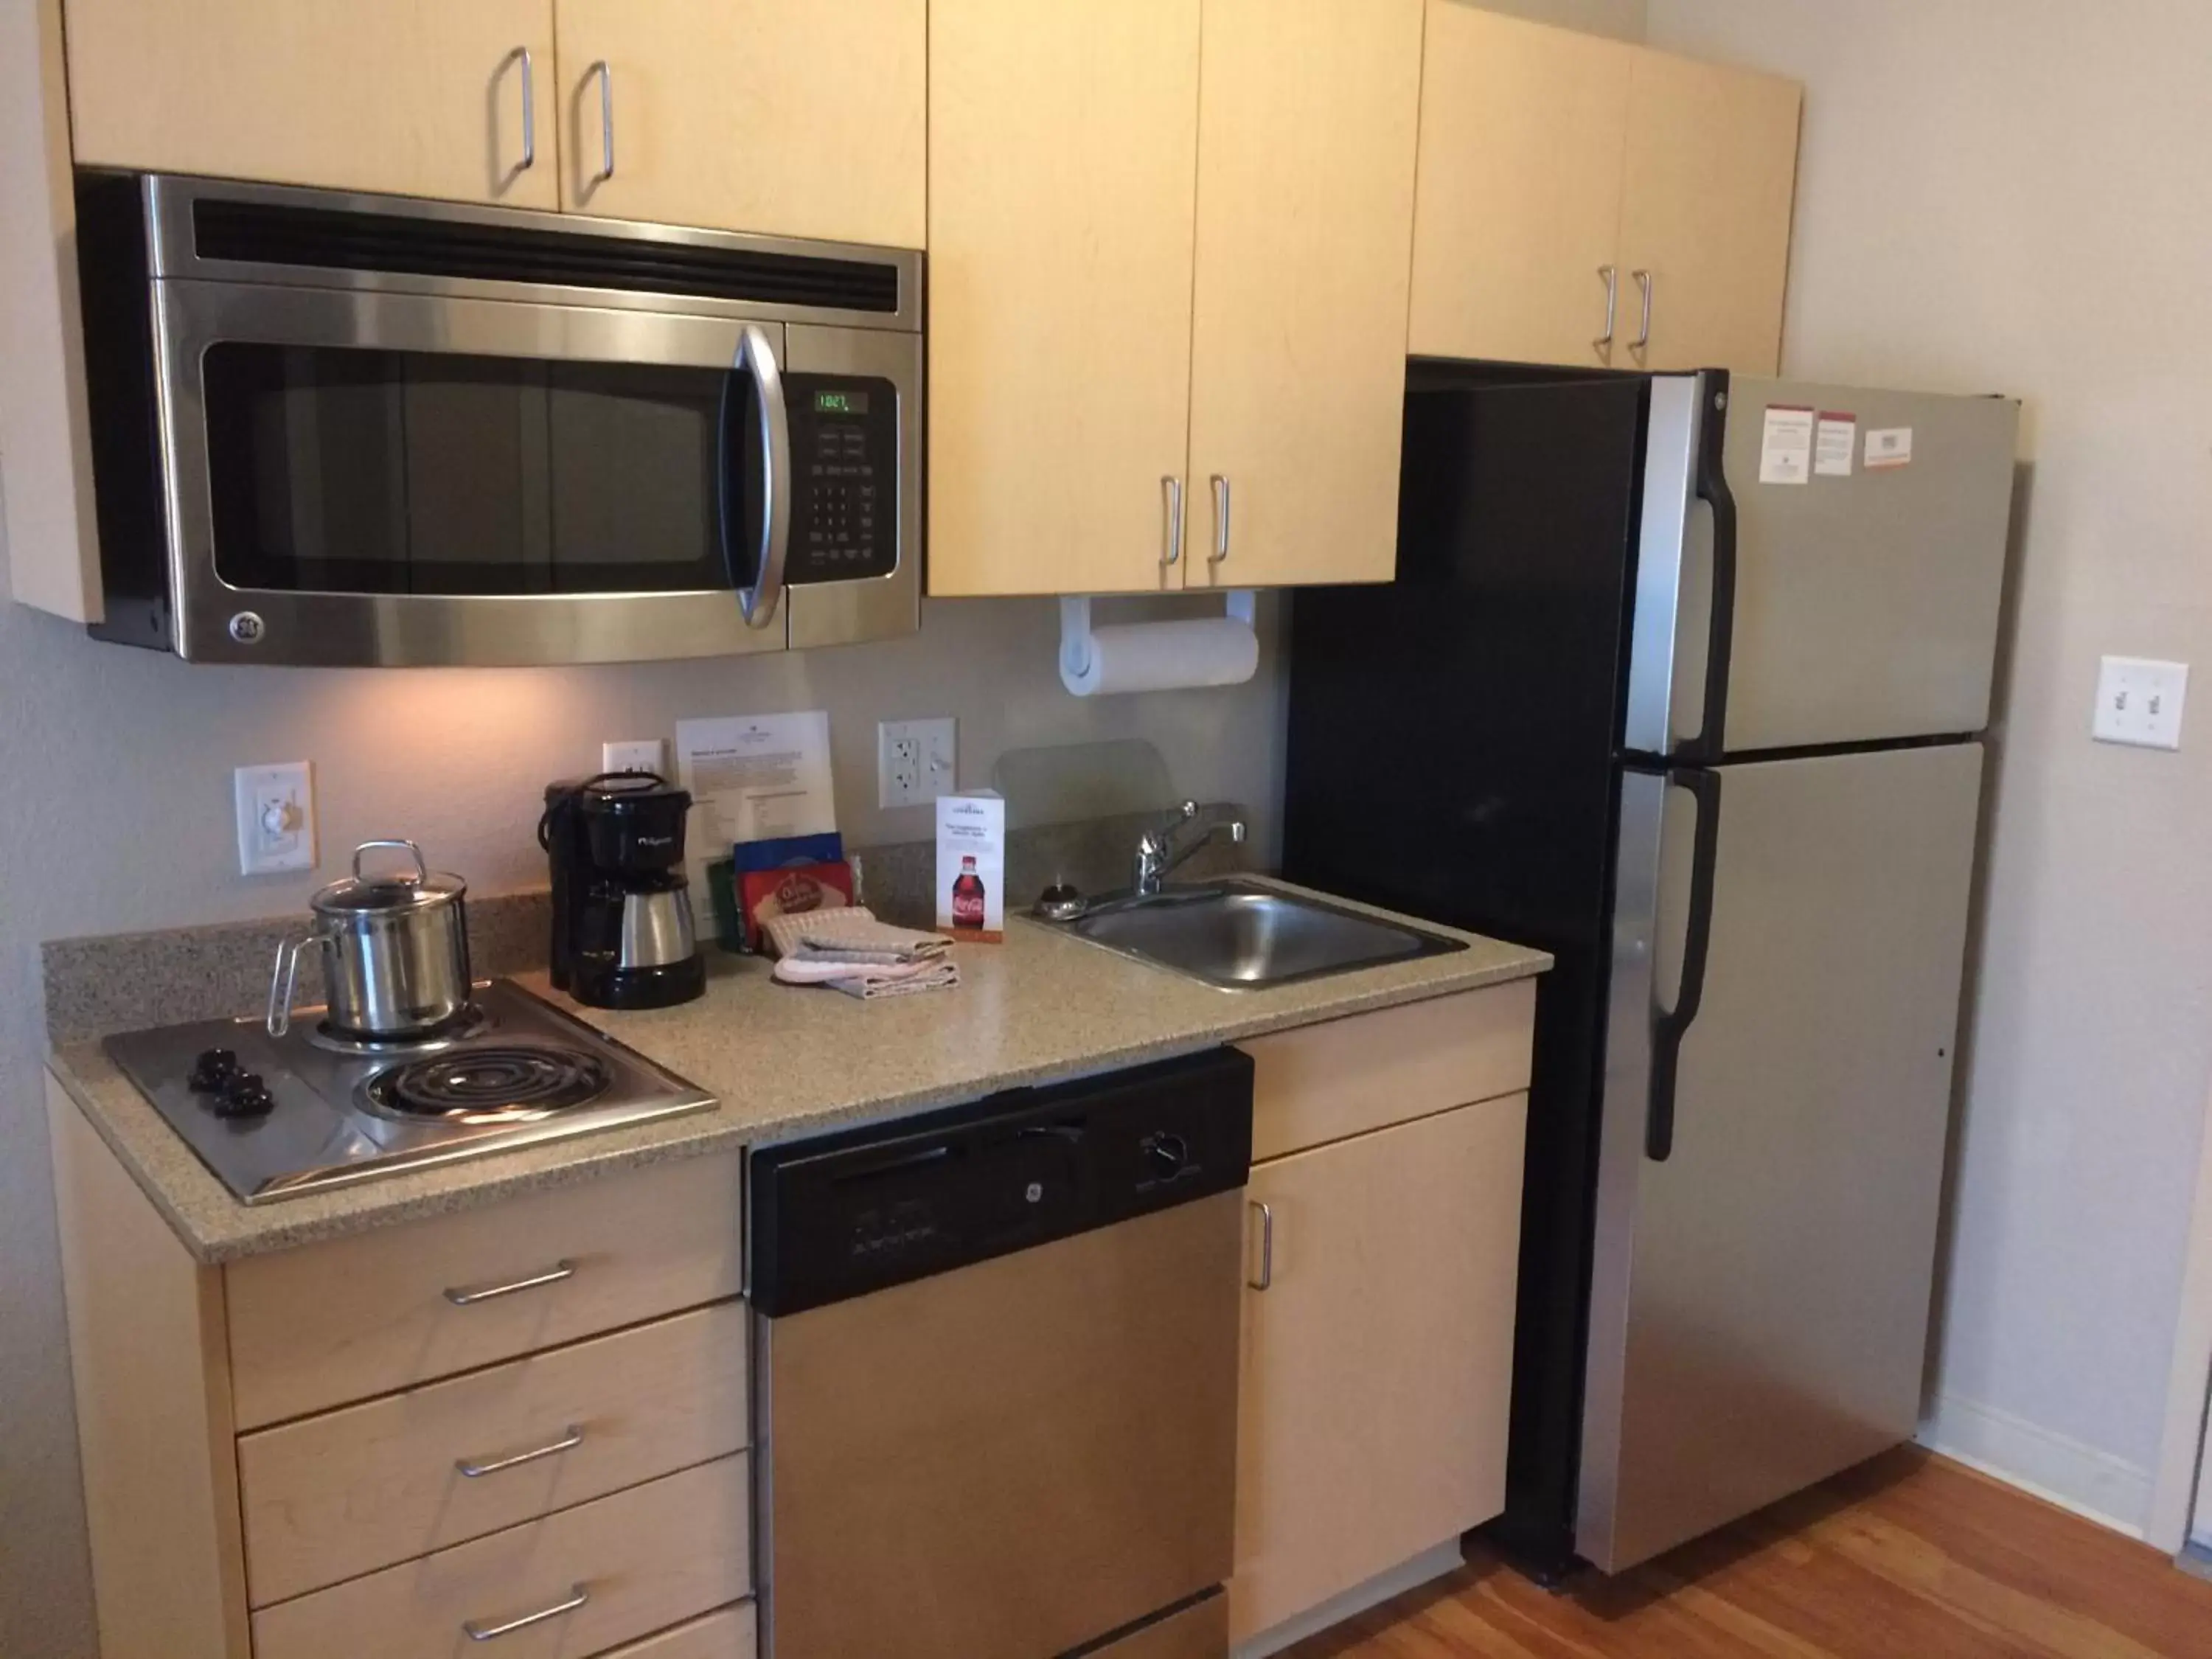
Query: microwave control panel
[845, 467]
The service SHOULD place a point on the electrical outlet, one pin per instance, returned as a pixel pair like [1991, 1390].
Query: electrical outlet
[915, 760]
[2140, 701]
[275, 817]
[634, 755]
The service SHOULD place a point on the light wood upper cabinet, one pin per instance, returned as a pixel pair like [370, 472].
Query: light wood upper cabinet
[1711, 174]
[757, 115]
[1063, 151]
[1548, 157]
[1138, 283]
[1524, 130]
[1377, 1361]
[412, 97]
[1307, 135]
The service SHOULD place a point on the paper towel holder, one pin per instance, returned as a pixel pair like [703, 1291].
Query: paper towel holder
[1075, 625]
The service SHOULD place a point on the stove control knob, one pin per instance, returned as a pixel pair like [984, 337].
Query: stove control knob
[244, 1096]
[211, 1071]
[1166, 1156]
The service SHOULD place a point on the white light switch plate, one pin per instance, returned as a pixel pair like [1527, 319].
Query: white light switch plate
[634, 755]
[275, 817]
[915, 760]
[2140, 701]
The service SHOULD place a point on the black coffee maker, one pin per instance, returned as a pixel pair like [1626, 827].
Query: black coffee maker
[623, 931]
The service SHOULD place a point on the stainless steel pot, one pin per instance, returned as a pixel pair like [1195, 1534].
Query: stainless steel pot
[395, 951]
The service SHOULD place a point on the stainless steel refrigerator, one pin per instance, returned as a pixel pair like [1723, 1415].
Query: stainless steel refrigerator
[1682, 678]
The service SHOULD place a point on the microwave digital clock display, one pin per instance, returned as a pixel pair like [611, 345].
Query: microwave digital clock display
[843, 402]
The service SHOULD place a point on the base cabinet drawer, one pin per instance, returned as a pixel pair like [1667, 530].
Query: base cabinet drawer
[1316, 1083]
[331, 1323]
[724, 1633]
[330, 1497]
[578, 1582]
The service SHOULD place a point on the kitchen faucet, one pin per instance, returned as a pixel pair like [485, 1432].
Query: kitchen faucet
[1159, 855]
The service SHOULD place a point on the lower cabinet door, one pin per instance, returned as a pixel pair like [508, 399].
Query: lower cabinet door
[578, 1582]
[1377, 1354]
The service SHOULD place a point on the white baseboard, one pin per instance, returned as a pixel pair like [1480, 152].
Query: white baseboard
[2091, 1482]
[1429, 1564]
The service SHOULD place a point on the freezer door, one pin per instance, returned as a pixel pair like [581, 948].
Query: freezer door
[1866, 601]
[1761, 1292]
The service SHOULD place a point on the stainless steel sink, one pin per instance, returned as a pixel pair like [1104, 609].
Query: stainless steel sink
[1240, 936]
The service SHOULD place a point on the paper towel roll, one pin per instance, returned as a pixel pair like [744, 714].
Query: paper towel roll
[1162, 656]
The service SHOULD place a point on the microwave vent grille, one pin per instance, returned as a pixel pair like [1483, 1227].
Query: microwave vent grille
[328, 239]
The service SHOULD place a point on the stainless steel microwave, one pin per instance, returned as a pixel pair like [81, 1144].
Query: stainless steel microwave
[340, 429]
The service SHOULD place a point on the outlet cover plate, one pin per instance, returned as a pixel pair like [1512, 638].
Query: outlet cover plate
[916, 761]
[275, 808]
[2140, 701]
[634, 755]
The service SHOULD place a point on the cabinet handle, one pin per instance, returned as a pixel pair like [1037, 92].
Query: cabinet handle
[1611, 277]
[474, 1294]
[605, 71]
[474, 1470]
[577, 1594]
[1266, 1246]
[529, 110]
[1220, 553]
[1644, 336]
[1171, 532]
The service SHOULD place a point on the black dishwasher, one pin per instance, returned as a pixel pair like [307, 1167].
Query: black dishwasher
[996, 1373]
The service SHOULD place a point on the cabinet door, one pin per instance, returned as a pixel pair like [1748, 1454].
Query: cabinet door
[1377, 1361]
[1308, 125]
[1062, 161]
[416, 98]
[760, 115]
[1517, 214]
[1711, 172]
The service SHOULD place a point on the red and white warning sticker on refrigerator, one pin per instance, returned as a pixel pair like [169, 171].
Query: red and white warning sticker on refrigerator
[1887, 447]
[1785, 447]
[1833, 443]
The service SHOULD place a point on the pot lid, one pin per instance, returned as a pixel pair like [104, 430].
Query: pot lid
[401, 890]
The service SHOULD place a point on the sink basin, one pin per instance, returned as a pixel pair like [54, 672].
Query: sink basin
[1240, 936]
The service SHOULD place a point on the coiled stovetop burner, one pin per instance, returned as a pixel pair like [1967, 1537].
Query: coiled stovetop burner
[509, 1084]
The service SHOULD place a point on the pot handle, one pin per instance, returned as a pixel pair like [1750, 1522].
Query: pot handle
[422, 868]
[283, 979]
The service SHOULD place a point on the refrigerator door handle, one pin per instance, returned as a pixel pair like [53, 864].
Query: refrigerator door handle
[1669, 1029]
[1712, 487]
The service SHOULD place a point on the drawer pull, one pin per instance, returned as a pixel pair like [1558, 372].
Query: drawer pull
[476, 1632]
[568, 1441]
[476, 1293]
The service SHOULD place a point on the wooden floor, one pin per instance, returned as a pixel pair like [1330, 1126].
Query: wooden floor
[1910, 1557]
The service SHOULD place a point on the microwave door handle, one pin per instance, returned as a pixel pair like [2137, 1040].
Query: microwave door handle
[757, 356]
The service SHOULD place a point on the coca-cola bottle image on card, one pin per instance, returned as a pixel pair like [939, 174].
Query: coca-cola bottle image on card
[968, 896]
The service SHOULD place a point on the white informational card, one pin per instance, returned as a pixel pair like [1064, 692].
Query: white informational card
[755, 777]
[1785, 449]
[1889, 447]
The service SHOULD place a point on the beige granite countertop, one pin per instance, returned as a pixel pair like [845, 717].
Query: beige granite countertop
[782, 1060]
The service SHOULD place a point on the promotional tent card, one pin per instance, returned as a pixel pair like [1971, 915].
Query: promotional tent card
[971, 866]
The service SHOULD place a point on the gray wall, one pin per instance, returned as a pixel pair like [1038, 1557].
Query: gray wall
[115, 813]
[2015, 198]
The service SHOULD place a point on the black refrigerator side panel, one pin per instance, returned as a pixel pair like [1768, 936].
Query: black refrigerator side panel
[1451, 749]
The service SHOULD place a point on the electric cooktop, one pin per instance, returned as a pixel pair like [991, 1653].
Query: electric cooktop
[274, 1117]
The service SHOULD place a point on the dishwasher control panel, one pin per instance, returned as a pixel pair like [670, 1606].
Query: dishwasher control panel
[842, 1215]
